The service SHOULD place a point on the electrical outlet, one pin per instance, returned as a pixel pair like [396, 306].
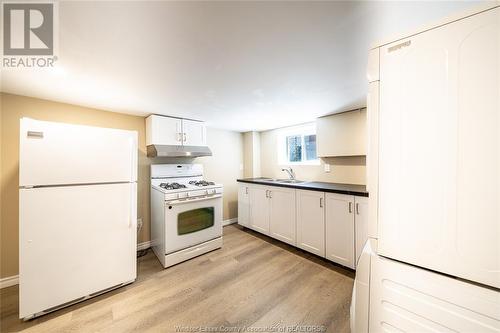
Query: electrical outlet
[327, 167]
[139, 224]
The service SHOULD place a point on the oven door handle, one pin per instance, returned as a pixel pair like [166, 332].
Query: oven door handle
[188, 200]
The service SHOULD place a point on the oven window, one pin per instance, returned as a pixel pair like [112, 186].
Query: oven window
[195, 220]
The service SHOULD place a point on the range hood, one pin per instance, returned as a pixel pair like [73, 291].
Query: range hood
[177, 151]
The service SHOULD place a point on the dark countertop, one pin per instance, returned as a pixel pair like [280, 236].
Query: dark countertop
[359, 190]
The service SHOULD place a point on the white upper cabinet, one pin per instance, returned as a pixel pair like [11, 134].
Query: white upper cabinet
[342, 134]
[340, 228]
[282, 214]
[311, 221]
[194, 133]
[163, 131]
[439, 149]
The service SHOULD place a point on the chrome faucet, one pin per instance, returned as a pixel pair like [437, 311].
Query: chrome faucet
[290, 172]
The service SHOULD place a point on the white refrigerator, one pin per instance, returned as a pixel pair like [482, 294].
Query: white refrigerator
[77, 213]
[432, 263]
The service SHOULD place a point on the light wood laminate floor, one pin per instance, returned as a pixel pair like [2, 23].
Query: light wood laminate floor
[253, 281]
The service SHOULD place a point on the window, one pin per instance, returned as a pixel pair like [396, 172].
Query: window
[297, 145]
[294, 148]
[310, 147]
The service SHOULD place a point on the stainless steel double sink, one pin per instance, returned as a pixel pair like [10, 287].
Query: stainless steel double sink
[281, 181]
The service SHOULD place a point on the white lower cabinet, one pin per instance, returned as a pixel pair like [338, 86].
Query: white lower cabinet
[311, 221]
[329, 225]
[271, 211]
[339, 229]
[259, 208]
[243, 205]
[282, 214]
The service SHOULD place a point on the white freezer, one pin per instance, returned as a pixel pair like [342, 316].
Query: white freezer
[390, 296]
[404, 298]
[53, 153]
[74, 241]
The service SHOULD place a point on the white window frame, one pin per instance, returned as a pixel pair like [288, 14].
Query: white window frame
[282, 146]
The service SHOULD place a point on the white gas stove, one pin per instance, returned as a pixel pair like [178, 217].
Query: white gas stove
[186, 212]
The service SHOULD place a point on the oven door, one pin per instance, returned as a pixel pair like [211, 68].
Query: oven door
[192, 221]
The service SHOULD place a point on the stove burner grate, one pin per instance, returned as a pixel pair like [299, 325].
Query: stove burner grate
[172, 186]
[201, 183]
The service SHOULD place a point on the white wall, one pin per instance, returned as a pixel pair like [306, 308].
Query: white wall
[225, 165]
[251, 148]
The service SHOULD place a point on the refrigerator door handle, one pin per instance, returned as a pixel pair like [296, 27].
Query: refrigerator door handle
[35, 134]
[133, 207]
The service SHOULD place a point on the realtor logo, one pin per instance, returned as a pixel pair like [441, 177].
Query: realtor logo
[28, 34]
[28, 29]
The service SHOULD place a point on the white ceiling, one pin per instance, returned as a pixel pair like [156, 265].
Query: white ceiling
[237, 65]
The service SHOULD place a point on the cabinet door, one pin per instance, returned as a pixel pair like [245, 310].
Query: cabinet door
[163, 131]
[243, 205]
[259, 208]
[194, 133]
[340, 229]
[282, 214]
[439, 149]
[311, 221]
[361, 220]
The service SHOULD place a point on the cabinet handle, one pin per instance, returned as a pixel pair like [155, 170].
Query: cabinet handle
[350, 207]
[270, 196]
[185, 137]
[179, 138]
[246, 190]
[267, 195]
[320, 202]
[357, 208]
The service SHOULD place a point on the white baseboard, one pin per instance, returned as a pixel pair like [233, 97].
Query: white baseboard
[9, 281]
[230, 221]
[143, 245]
